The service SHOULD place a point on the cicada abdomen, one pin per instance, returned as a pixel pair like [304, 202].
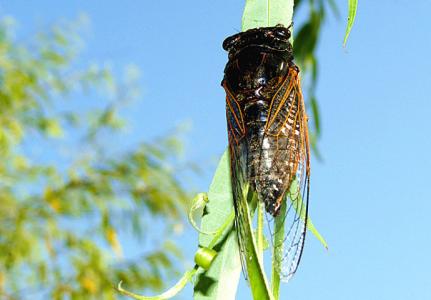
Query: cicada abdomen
[268, 133]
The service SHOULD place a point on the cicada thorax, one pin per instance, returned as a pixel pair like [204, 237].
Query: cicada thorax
[263, 107]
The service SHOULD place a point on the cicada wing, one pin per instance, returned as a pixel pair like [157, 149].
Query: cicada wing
[287, 128]
[239, 192]
[289, 229]
[238, 150]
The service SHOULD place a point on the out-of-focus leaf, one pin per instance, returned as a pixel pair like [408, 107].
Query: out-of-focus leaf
[334, 8]
[306, 38]
[112, 238]
[53, 128]
[316, 115]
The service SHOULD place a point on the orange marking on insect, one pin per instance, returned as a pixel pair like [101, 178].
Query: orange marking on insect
[292, 75]
[293, 125]
[231, 132]
[272, 117]
[228, 97]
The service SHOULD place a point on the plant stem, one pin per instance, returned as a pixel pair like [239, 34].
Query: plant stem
[277, 252]
[166, 295]
[259, 231]
[255, 268]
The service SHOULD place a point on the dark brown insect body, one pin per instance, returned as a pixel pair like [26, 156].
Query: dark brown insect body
[265, 113]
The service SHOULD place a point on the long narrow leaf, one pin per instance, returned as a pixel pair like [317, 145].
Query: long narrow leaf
[255, 268]
[277, 253]
[295, 195]
[353, 5]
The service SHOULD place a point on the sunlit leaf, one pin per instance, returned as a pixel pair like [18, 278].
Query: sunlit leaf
[353, 5]
[265, 13]
[221, 280]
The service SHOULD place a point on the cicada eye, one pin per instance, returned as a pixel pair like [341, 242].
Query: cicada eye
[261, 81]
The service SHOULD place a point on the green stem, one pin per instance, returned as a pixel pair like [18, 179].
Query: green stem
[166, 295]
[228, 222]
[255, 268]
[199, 201]
[277, 252]
[259, 231]
[187, 275]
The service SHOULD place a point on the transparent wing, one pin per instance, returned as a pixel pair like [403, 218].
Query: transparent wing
[282, 172]
[238, 150]
[287, 126]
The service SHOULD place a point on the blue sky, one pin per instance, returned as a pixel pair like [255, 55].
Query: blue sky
[370, 196]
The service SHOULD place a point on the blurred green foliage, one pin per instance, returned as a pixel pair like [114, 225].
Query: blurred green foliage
[306, 40]
[65, 199]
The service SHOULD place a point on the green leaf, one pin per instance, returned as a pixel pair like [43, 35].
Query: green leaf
[316, 233]
[265, 13]
[221, 280]
[53, 128]
[254, 264]
[334, 8]
[306, 40]
[353, 5]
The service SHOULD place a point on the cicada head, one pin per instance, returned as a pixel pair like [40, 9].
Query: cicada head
[258, 58]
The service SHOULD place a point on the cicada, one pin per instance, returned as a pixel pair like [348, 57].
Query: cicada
[268, 134]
